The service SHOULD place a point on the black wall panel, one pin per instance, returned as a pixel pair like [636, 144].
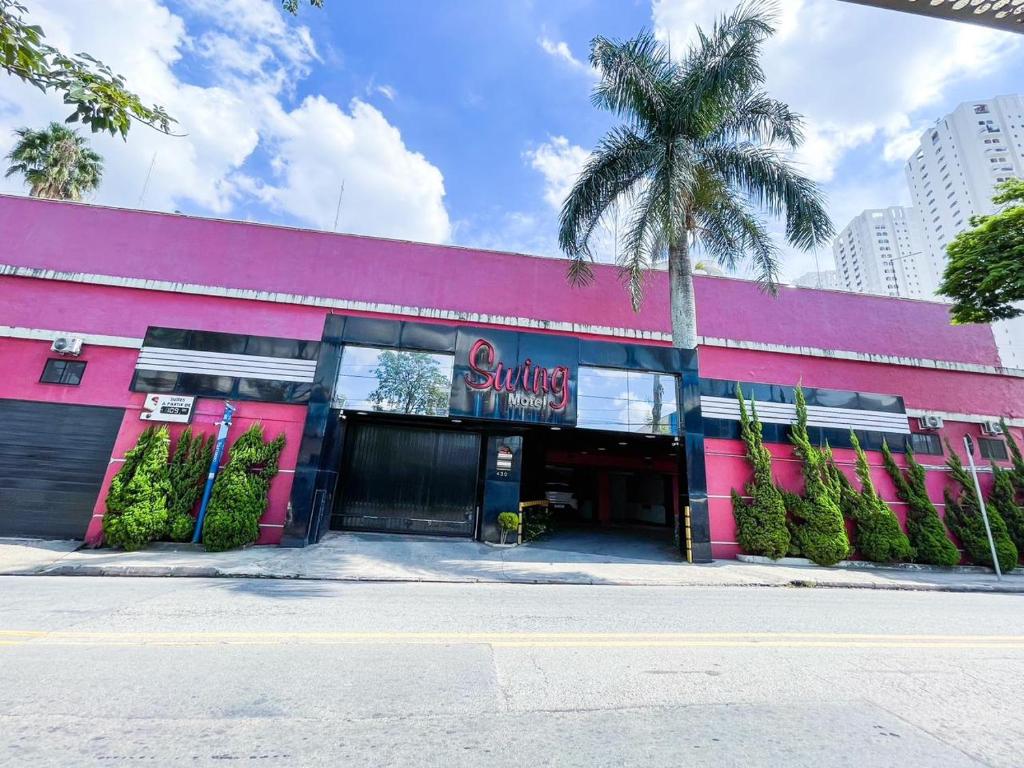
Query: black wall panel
[52, 461]
[409, 480]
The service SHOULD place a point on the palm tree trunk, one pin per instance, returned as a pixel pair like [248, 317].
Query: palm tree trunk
[684, 305]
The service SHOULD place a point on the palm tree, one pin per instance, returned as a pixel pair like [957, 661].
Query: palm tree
[56, 162]
[702, 149]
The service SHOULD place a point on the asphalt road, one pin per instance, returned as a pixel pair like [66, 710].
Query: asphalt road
[190, 672]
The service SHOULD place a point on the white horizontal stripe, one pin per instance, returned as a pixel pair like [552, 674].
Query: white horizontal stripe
[817, 416]
[208, 370]
[220, 364]
[520, 323]
[150, 364]
[868, 421]
[171, 364]
[197, 354]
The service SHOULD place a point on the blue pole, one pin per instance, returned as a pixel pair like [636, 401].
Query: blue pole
[218, 452]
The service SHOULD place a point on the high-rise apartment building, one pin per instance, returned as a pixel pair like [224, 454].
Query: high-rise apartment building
[880, 252]
[952, 176]
[954, 171]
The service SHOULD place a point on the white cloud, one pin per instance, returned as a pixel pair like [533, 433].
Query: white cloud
[855, 72]
[560, 50]
[865, 79]
[252, 58]
[388, 189]
[560, 163]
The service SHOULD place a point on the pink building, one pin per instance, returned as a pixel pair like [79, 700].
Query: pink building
[425, 388]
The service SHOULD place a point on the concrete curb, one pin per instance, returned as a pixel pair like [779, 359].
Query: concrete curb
[864, 565]
[195, 571]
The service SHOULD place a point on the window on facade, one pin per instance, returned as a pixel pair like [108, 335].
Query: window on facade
[627, 401]
[57, 371]
[923, 443]
[992, 448]
[394, 381]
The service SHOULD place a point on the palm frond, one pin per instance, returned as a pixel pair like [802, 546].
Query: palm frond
[621, 159]
[730, 231]
[768, 179]
[725, 62]
[760, 119]
[641, 239]
[635, 77]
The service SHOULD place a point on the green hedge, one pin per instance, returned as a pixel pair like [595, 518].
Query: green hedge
[761, 527]
[188, 470]
[963, 516]
[136, 505]
[879, 536]
[925, 529]
[820, 529]
[239, 496]
[1003, 500]
[1018, 461]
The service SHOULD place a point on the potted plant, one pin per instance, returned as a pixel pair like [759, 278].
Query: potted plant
[508, 521]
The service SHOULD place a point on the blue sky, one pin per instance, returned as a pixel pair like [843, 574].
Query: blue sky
[466, 121]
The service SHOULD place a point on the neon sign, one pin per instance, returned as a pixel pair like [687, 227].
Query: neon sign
[527, 385]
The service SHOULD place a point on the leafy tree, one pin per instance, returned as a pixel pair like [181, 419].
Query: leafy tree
[56, 162]
[820, 529]
[98, 97]
[1018, 459]
[292, 6]
[410, 382]
[963, 516]
[761, 523]
[1002, 499]
[879, 536]
[701, 151]
[925, 530]
[137, 500]
[985, 272]
[188, 470]
[239, 496]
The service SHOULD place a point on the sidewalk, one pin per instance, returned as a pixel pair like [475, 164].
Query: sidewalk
[375, 557]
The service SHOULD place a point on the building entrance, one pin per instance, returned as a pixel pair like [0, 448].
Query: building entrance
[598, 480]
[404, 479]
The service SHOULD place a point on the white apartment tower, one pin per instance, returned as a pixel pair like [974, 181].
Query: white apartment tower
[952, 177]
[879, 252]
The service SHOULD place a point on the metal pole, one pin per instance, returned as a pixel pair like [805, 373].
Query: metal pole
[218, 453]
[969, 445]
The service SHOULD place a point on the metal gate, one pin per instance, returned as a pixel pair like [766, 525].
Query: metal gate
[52, 461]
[409, 480]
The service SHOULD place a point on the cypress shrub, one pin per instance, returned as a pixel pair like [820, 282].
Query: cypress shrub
[189, 467]
[879, 536]
[1018, 461]
[963, 516]
[925, 530]
[796, 510]
[820, 530]
[760, 524]
[137, 501]
[1003, 500]
[239, 496]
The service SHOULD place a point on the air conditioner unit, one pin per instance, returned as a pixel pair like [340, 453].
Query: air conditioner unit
[991, 428]
[67, 345]
[929, 421]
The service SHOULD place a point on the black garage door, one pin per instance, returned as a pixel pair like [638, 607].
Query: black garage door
[52, 461]
[409, 480]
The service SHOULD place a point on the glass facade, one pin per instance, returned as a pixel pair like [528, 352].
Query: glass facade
[627, 401]
[394, 381]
